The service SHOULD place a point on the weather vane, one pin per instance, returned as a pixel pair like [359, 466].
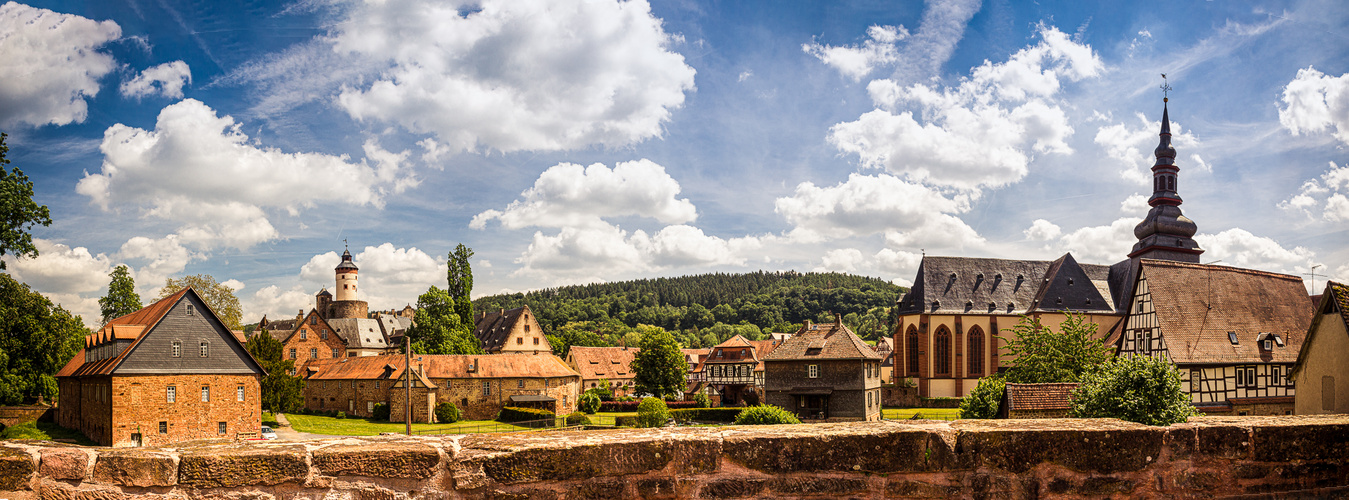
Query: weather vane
[1166, 88]
[344, 244]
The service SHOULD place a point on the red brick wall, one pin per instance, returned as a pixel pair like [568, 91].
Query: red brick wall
[313, 339]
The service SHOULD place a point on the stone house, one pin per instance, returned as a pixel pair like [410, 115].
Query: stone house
[1036, 400]
[825, 372]
[514, 331]
[1321, 373]
[612, 364]
[311, 338]
[480, 385]
[167, 373]
[1233, 333]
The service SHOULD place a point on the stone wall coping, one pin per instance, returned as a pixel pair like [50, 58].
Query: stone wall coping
[1021, 458]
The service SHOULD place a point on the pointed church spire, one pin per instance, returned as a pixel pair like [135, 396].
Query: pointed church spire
[1165, 233]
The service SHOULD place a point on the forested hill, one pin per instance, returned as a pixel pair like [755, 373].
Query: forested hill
[724, 303]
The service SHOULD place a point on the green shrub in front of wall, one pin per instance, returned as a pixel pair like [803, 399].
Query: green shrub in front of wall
[765, 415]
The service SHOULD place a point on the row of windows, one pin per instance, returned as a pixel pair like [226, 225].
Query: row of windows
[941, 350]
[314, 353]
[521, 340]
[1245, 377]
[304, 334]
[171, 393]
[203, 349]
[221, 427]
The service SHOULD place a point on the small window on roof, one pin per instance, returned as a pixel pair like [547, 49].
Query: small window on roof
[1232, 337]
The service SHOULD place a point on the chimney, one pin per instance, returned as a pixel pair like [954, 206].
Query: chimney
[838, 319]
[807, 325]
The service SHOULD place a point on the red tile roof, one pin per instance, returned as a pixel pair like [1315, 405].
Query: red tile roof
[443, 366]
[1198, 304]
[827, 341]
[602, 362]
[122, 327]
[1056, 396]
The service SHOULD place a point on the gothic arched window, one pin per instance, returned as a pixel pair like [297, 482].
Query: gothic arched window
[976, 351]
[941, 351]
[912, 346]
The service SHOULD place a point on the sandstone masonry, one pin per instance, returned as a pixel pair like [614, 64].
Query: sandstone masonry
[1073, 458]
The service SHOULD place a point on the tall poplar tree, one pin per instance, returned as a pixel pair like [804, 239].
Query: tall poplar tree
[460, 277]
[121, 298]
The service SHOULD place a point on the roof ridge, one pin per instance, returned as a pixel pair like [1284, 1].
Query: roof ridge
[1212, 267]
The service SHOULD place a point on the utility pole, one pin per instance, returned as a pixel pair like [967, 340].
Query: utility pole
[407, 383]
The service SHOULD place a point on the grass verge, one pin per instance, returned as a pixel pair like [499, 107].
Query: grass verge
[931, 413]
[315, 424]
[44, 431]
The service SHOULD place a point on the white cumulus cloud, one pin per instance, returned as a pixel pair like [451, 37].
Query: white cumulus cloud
[1323, 197]
[906, 212]
[1132, 148]
[52, 64]
[571, 195]
[165, 79]
[390, 276]
[1314, 102]
[856, 61]
[515, 75]
[1042, 230]
[1239, 248]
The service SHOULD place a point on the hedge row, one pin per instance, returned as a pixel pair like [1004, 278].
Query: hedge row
[627, 406]
[514, 414]
[685, 415]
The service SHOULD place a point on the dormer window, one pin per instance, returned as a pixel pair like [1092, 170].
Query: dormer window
[1070, 281]
[1267, 345]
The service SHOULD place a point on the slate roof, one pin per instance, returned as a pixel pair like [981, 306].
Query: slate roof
[493, 329]
[1055, 396]
[133, 327]
[603, 362]
[441, 366]
[1197, 304]
[281, 329]
[1335, 302]
[830, 341]
[965, 285]
[360, 333]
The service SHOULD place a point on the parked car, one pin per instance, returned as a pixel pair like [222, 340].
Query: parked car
[267, 433]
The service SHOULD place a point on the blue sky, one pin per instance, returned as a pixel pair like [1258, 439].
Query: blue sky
[579, 141]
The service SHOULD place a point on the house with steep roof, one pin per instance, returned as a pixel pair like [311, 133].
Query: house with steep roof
[732, 368]
[1052, 400]
[1233, 333]
[167, 373]
[363, 336]
[604, 365]
[480, 385]
[310, 338]
[1321, 374]
[825, 372]
[513, 331]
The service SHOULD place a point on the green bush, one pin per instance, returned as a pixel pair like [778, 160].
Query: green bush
[514, 414]
[447, 413]
[340, 414]
[652, 412]
[702, 400]
[1139, 389]
[686, 415]
[589, 402]
[984, 400]
[765, 415]
[626, 421]
[381, 412]
[577, 418]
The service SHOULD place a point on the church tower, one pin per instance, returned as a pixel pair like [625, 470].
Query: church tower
[346, 278]
[1165, 234]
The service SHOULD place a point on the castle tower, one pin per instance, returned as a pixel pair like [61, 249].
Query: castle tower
[1165, 234]
[346, 278]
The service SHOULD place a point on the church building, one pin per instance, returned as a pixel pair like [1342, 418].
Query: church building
[1233, 333]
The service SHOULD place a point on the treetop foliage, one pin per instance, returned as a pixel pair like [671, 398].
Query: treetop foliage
[37, 338]
[1044, 356]
[121, 299]
[18, 211]
[1139, 389]
[438, 329]
[219, 297]
[659, 368]
[281, 392]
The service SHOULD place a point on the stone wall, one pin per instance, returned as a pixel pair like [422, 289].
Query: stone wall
[15, 415]
[1210, 456]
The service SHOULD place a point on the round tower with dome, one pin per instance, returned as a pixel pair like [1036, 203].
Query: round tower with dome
[345, 304]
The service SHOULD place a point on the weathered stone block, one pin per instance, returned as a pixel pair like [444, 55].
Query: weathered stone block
[874, 447]
[1197, 481]
[833, 486]
[1082, 447]
[137, 468]
[1284, 442]
[732, 488]
[1250, 471]
[375, 459]
[598, 489]
[659, 487]
[1179, 442]
[905, 488]
[521, 494]
[1224, 441]
[16, 468]
[65, 463]
[1103, 486]
[580, 455]
[227, 467]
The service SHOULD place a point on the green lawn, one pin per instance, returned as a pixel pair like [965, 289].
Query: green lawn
[45, 431]
[269, 420]
[315, 424]
[931, 413]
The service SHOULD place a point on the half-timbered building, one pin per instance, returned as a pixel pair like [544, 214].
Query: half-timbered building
[732, 368]
[1233, 333]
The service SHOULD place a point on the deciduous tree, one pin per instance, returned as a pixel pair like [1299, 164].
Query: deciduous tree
[218, 297]
[1043, 356]
[438, 329]
[18, 211]
[281, 392]
[659, 368]
[121, 299]
[37, 338]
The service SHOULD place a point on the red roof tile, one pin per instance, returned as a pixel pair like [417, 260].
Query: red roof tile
[602, 362]
[443, 366]
[1056, 396]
